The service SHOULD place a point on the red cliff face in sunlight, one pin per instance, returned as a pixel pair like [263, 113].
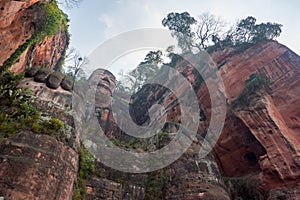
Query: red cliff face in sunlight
[264, 136]
[261, 136]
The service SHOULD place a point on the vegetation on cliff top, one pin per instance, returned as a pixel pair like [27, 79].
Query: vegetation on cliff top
[209, 32]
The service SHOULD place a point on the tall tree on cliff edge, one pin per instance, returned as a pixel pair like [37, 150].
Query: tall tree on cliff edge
[208, 30]
[180, 25]
[192, 33]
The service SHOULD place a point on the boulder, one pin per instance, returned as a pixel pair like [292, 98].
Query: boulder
[42, 75]
[32, 71]
[67, 83]
[53, 80]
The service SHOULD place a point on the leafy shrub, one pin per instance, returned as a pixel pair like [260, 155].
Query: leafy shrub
[154, 185]
[50, 18]
[16, 111]
[48, 127]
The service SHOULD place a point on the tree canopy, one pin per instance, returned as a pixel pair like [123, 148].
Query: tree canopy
[248, 31]
[180, 25]
[209, 30]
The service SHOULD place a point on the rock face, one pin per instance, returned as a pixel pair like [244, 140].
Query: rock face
[17, 24]
[261, 136]
[190, 177]
[264, 136]
[107, 183]
[195, 178]
[42, 166]
[36, 167]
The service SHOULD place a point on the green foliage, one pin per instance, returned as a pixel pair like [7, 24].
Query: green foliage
[174, 59]
[51, 17]
[64, 27]
[244, 188]
[201, 33]
[17, 112]
[180, 25]
[86, 168]
[144, 72]
[241, 47]
[250, 32]
[253, 85]
[49, 127]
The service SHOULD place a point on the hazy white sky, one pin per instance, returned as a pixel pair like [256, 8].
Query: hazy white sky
[95, 21]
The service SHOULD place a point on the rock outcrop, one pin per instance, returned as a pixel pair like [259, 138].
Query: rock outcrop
[263, 134]
[18, 21]
[36, 167]
[42, 165]
[190, 177]
[260, 136]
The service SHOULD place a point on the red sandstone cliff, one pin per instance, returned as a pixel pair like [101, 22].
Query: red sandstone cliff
[17, 24]
[263, 137]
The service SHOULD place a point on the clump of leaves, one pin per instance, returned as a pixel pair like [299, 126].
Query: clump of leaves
[162, 139]
[155, 184]
[48, 127]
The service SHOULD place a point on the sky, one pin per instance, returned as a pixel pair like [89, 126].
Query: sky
[95, 22]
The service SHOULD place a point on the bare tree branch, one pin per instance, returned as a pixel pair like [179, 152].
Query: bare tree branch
[69, 3]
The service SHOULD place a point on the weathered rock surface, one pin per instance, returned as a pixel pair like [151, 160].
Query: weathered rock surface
[14, 25]
[195, 178]
[41, 166]
[36, 167]
[101, 188]
[270, 121]
[17, 24]
[188, 178]
[108, 183]
[261, 136]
